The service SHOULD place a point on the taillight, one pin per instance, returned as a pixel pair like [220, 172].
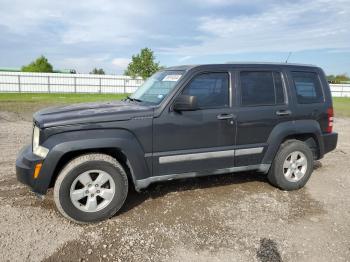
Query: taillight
[330, 116]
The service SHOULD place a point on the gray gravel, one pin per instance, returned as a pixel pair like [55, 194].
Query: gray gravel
[236, 217]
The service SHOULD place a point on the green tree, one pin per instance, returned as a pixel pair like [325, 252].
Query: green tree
[336, 79]
[142, 64]
[41, 64]
[97, 71]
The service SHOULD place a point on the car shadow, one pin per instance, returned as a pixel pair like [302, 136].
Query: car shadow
[161, 189]
[317, 164]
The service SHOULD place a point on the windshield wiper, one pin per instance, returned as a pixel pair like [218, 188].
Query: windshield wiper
[133, 99]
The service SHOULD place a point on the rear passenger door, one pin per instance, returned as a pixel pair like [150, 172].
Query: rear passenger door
[262, 103]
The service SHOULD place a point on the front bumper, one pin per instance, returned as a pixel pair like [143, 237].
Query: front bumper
[330, 142]
[25, 166]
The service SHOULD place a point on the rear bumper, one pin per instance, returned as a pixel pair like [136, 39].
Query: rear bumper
[329, 142]
[25, 166]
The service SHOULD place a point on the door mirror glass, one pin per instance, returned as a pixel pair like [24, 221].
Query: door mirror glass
[185, 103]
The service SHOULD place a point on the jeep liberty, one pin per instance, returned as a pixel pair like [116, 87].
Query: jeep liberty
[184, 121]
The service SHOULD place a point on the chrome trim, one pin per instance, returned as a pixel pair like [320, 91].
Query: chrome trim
[230, 91]
[141, 117]
[209, 155]
[248, 151]
[143, 183]
[195, 156]
[284, 86]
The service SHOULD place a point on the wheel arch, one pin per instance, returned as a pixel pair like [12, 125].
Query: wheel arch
[308, 138]
[116, 153]
[308, 131]
[120, 144]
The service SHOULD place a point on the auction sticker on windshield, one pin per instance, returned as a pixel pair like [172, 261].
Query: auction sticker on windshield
[172, 78]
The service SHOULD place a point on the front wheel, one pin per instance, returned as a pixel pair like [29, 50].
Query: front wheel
[91, 188]
[292, 166]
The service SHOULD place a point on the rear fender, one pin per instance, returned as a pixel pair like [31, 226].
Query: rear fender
[290, 128]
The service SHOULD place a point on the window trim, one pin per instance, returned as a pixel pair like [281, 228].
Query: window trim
[284, 88]
[206, 73]
[319, 81]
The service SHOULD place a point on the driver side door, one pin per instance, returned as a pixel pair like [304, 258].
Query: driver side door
[201, 140]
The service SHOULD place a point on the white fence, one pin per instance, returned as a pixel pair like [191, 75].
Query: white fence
[340, 90]
[66, 83]
[85, 83]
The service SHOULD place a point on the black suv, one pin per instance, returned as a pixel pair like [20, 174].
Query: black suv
[184, 121]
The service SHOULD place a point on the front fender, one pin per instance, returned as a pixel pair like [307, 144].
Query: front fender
[119, 139]
[285, 129]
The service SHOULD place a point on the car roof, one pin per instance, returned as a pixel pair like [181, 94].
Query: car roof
[240, 64]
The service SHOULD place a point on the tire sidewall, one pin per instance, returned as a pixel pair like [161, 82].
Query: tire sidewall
[74, 213]
[284, 152]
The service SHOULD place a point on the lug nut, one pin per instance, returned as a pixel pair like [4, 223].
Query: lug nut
[96, 185]
[87, 192]
[98, 191]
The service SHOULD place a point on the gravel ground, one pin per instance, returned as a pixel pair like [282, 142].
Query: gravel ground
[236, 217]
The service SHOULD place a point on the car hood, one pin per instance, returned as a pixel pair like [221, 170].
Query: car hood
[90, 113]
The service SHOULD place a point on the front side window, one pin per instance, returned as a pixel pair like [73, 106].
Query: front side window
[308, 87]
[157, 87]
[211, 90]
[261, 88]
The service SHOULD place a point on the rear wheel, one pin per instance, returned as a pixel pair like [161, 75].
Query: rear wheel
[91, 188]
[292, 166]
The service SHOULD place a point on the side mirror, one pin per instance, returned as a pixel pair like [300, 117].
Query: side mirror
[185, 103]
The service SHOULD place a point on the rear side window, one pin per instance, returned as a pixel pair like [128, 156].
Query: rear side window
[261, 88]
[308, 87]
[211, 90]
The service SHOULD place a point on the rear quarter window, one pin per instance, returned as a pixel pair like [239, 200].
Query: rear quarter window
[307, 87]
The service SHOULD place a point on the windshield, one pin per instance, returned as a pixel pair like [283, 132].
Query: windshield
[157, 87]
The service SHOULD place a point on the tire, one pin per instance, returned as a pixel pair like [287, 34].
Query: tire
[80, 177]
[283, 174]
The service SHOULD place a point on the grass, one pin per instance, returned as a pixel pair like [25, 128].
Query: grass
[57, 98]
[25, 104]
[341, 106]
[29, 102]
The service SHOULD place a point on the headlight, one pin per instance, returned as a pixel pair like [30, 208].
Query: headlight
[37, 149]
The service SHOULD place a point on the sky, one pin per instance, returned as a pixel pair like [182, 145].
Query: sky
[85, 34]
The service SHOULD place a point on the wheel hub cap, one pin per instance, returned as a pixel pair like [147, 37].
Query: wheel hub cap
[92, 190]
[295, 166]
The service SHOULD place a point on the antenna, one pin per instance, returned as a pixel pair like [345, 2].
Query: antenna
[289, 55]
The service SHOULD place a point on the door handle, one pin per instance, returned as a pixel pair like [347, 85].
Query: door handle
[283, 112]
[225, 116]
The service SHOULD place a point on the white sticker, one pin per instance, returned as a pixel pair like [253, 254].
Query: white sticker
[172, 78]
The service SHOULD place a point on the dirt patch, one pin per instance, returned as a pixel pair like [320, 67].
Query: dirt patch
[237, 217]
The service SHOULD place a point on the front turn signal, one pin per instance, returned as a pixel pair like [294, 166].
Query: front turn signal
[37, 170]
